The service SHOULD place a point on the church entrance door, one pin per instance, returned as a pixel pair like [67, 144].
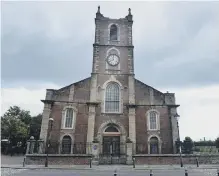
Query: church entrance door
[111, 145]
[113, 151]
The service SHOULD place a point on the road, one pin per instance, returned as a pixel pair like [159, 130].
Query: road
[62, 172]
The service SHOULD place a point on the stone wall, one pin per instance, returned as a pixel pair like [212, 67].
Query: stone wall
[56, 159]
[173, 159]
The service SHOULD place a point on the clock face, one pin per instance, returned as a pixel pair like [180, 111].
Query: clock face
[113, 59]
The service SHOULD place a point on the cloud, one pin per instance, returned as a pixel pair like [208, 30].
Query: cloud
[49, 40]
[198, 111]
[28, 99]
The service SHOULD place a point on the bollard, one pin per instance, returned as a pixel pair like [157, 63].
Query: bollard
[90, 162]
[24, 162]
[197, 163]
[186, 173]
[115, 173]
[133, 162]
[151, 173]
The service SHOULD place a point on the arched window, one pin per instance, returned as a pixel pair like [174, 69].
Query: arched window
[154, 145]
[112, 98]
[153, 120]
[69, 118]
[111, 129]
[113, 32]
[66, 145]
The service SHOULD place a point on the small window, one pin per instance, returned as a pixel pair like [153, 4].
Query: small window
[153, 120]
[69, 118]
[113, 32]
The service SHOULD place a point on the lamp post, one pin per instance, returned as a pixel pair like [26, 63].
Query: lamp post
[48, 140]
[180, 148]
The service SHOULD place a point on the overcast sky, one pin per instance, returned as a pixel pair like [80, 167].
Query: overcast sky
[49, 45]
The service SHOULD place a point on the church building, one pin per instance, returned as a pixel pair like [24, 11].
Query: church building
[111, 107]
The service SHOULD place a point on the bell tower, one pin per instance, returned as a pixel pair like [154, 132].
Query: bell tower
[113, 65]
[112, 48]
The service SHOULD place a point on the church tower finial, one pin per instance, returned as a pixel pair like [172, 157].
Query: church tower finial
[130, 11]
[98, 11]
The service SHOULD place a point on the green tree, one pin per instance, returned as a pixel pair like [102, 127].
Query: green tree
[35, 126]
[217, 143]
[14, 124]
[17, 112]
[188, 145]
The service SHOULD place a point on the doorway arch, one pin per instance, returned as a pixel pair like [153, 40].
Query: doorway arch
[66, 144]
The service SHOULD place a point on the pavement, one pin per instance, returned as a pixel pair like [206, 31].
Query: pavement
[112, 167]
[58, 172]
[13, 166]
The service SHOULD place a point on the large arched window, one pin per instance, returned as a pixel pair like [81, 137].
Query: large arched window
[66, 145]
[154, 145]
[112, 98]
[113, 32]
[69, 118]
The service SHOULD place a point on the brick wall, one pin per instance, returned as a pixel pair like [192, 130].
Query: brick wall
[175, 159]
[58, 159]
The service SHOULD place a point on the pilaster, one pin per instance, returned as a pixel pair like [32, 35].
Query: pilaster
[92, 108]
[71, 93]
[45, 121]
[175, 135]
[131, 110]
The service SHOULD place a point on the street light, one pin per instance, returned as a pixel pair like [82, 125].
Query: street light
[180, 148]
[48, 141]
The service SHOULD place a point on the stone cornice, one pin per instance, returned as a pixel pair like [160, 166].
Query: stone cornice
[92, 103]
[138, 105]
[126, 46]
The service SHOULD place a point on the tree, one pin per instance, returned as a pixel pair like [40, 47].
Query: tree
[217, 143]
[17, 112]
[13, 129]
[35, 126]
[188, 145]
[14, 124]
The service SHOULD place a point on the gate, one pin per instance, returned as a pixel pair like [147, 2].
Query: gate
[112, 151]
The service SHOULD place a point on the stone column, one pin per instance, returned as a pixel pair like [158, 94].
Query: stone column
[92, 109]
[91, 123]
[45, 121]
[175, 135]
[41, 147]
[129, 153]
[28, 147]
[95, 153]
[132, 125]
[32, 145]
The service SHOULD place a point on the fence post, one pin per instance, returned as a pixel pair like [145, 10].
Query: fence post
[24, 161]
[151, 173]
[115, 173]
[197, 163]
[186, 173]
[90, 162]
[133, 162]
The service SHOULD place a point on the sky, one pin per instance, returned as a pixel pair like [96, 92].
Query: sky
[49, 45]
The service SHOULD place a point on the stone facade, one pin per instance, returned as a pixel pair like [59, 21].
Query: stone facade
[136, 99]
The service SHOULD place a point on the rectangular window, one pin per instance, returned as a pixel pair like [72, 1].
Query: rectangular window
[112, 98]
[153, 121]
[69, 118]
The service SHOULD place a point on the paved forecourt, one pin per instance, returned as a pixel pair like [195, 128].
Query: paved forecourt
[63, 172]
